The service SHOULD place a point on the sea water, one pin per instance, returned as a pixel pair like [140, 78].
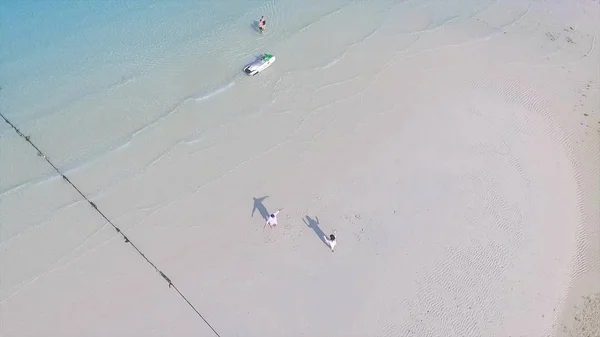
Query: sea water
[108, 87]
[109, 68]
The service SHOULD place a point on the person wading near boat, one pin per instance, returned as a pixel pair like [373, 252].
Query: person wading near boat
[262, 24]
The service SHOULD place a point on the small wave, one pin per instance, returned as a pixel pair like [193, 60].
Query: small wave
[375, 31]
[336, 83]
[125, 142]
[335, 60]
[15, 187]
[205, 96]
[324, 17]
[43, 178]
[347, 49]
[82, 166]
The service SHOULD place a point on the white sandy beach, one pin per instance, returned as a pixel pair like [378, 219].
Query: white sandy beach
[458, 162]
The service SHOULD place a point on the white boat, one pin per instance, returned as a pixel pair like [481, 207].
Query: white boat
[259, 65]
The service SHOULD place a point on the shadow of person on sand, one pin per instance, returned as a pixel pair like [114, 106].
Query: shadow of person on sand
[258, 205]
[314, 225]
[254, 26]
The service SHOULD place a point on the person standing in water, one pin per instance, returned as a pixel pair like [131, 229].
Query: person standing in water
[272, 220]
[331, 240]
[262, 24]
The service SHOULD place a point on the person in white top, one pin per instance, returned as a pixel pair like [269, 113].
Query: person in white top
[272, 220]
[331, 240]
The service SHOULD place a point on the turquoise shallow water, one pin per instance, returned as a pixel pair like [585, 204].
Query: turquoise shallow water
[64, 62]
[56, 53]
[84, 77]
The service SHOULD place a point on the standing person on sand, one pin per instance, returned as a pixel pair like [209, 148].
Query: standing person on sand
[331, 240]
[272, 220]
[262, 24]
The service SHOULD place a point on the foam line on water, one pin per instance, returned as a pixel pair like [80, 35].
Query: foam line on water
[202, 97]
[325, 17]
[126, 141]
[42, 178]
